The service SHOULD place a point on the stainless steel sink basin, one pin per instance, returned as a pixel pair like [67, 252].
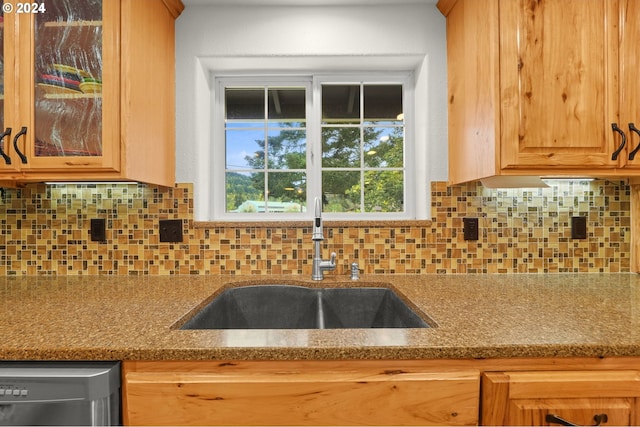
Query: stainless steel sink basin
[298, 307]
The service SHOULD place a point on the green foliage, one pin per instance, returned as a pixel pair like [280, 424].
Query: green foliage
[239, 189]
[286, 157]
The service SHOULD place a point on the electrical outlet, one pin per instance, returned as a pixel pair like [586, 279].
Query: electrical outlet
[578, 227]
[98, 231]
[171, 230]
[470, 228]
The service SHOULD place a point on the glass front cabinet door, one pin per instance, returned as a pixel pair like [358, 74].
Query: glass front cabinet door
[62, 94]
[64, 73]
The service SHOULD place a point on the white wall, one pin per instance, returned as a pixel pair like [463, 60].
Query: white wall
[222, 38]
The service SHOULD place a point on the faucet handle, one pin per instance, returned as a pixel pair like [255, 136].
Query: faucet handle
[333, 258]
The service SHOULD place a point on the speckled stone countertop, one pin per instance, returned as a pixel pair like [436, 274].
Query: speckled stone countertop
[477, 316]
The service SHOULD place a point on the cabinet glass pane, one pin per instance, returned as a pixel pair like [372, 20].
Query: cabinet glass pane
[68, 79]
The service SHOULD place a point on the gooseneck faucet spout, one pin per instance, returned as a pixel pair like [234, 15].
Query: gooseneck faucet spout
[320, 265]
[318, 234]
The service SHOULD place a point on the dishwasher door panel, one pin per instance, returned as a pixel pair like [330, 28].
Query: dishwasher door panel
[40, 414]
[59, 393]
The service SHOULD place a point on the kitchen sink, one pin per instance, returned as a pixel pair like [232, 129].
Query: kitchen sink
[298, 307]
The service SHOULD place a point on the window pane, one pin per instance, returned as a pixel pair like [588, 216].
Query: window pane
[244, 149]
[383, 147]
[243, 190]
[268, 141]
[287, 192]
[340, 147]
[287, 105]
[383, 103]
[287, 149]
[341, 190]
[244, 103]
[383, 191]
[341, 104]
[377, 143]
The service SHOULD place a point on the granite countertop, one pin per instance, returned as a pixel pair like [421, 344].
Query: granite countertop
[478, 316]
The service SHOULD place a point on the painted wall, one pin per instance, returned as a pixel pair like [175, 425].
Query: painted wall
[222, 39]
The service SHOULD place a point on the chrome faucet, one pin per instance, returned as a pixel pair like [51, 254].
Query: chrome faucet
[319, 265]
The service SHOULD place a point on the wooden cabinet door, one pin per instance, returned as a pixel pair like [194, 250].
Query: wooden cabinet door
[526, 398]
[276, 393]
[559, 83]
[629, 83]
[70, 87]
[61, 95]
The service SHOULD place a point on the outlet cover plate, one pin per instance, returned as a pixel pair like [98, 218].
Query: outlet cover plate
[470, 228]
[98, 231]
[171, 230]
[578, 227]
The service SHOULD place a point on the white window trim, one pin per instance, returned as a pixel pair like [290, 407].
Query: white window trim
[404, 78]
[218, 203]
[314, 155]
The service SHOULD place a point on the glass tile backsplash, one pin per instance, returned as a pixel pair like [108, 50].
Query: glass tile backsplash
[44, 230]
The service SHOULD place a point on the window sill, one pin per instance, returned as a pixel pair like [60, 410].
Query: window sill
[326, 223]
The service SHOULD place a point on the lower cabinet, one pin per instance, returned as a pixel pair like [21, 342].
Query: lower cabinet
[379, 392]
[538, 398]
[298, 393]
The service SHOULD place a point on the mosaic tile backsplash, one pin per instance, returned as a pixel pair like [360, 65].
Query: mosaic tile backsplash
[45, 231]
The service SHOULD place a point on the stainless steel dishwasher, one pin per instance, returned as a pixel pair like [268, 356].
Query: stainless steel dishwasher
[60, 393]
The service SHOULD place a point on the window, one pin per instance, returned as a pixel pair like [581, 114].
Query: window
[362, 132]
[265, 149]
[281, 142]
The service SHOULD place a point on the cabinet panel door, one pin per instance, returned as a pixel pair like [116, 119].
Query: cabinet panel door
[559, 83]
[71, 121]
[629, 83]
[302, 398]
[525, 398]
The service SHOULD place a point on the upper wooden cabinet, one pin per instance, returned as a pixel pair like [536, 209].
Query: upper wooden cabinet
[89, 91]
[537, 87]
[546, 398]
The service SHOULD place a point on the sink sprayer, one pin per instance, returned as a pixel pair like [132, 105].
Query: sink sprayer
[320, 265]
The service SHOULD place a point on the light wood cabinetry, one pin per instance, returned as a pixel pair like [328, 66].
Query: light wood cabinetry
[580, 397]
[298, 393]
[518, 391]
[88, 92]
[536, 87]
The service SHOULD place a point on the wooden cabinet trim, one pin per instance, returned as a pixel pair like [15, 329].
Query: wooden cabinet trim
[175, 7]
[569, 384]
